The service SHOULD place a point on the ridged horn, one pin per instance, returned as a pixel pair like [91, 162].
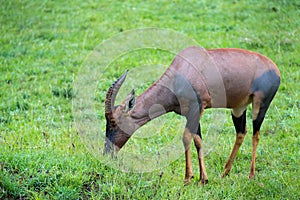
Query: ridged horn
[112, 93]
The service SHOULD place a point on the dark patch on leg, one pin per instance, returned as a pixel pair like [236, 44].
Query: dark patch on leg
[267, 83]
[258, 121]
[199, 131]
[262, 112]
[184, 89]
[193, 118]
[240, 123]
[189, 101]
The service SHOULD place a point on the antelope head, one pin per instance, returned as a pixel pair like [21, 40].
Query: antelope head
[119, 126]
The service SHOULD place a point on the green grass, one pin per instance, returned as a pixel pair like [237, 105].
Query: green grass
[43, 46]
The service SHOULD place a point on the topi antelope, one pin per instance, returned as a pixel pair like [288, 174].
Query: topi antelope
[198, 79]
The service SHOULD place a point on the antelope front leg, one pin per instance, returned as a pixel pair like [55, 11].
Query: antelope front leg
[187, 138]
[198, 144]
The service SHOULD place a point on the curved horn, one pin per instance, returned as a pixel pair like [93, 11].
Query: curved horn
[112, 93]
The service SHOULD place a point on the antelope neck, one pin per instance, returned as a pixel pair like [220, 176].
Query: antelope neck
[154, 102]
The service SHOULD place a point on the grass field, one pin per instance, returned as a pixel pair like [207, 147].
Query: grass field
[45, 43]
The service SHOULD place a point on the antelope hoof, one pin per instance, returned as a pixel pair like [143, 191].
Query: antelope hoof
[251, 176]
[225, 173]
[203, 182]
[188, 180]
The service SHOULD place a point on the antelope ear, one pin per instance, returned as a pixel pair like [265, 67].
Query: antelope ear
[129, 102]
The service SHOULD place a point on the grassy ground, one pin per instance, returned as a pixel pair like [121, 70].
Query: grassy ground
[43, 46]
